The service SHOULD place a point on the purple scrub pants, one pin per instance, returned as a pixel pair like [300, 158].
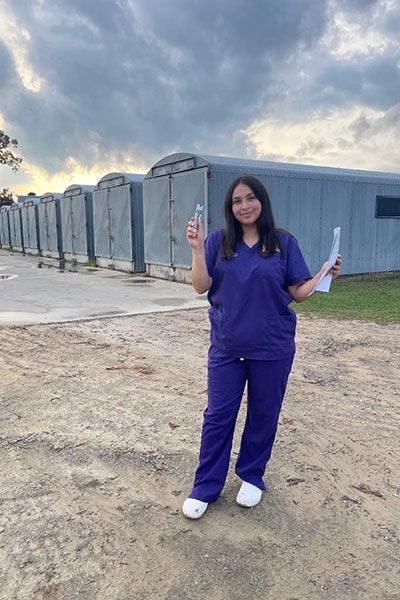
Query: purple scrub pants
[266, 385]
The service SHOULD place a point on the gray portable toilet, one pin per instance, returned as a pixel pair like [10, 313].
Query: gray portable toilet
[16, 238]
[76, 208]
[5, 227]
[118, 222]
[308, 201]
[30, 224]
[50, 225]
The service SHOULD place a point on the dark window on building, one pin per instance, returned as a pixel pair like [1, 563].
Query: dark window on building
[387, 207]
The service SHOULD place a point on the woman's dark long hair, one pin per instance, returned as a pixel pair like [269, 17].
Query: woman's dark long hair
[267, 231]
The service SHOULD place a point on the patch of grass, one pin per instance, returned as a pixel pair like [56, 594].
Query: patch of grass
[90, 263]
[374, 297]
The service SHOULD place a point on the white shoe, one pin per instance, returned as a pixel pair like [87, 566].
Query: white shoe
[249, 495]
[194, 509]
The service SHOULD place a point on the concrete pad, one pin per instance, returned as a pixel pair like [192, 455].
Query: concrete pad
[40, 290]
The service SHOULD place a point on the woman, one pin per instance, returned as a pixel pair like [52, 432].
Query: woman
[252, 271]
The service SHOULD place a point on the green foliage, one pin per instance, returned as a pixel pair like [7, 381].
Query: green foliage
[6, 155]
[6, 197]
[373, 297]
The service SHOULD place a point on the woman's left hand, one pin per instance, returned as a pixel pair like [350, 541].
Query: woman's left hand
[335, 270]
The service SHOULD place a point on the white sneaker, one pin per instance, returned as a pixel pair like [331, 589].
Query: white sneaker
[194, 509]
[249, 495]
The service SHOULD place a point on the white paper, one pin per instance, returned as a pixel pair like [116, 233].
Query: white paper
[324, 282]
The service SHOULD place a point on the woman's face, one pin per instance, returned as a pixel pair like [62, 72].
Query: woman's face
[246, 208]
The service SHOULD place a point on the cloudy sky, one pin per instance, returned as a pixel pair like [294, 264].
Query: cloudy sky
[94, 86]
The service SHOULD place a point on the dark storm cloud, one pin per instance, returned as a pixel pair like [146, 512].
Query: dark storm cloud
[151, 77]
[373, 82]
[364, 71]
[159, 75]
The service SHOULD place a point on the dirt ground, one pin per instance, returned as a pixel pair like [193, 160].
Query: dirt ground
[99, 434]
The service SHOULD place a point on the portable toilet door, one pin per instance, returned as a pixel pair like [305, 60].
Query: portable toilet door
[171, 190]
[30, 225]
[16, 240]
[118, 222]
[5, 227]
[50, 226]
[76, 209]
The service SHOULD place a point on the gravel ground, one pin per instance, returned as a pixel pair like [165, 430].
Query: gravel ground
[99, 434]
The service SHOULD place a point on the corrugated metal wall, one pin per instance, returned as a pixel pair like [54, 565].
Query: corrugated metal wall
[139, 223]
[76, 208]
[307, 201]
[4, 227]
[30, 225]
[50, 225]
[118, 222]
[168, 202]
[14, 214]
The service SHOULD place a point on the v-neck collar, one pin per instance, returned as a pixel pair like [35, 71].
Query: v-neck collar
[249, 247]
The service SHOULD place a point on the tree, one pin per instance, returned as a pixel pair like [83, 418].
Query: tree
[7, 157]
[6, 197]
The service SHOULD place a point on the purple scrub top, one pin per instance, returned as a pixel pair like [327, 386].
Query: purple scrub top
[249, 314]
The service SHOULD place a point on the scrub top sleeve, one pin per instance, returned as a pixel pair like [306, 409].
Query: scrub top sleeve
[297, 269]
[212, 247]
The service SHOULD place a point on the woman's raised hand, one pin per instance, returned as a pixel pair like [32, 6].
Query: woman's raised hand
[195, 238]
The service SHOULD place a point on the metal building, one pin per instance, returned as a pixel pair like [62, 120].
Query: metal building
[118, 222]
[49, 216]
[16, 238]
[5, 241]
[30, 224]
[307, 201]
[76, 208]
[22, 198]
